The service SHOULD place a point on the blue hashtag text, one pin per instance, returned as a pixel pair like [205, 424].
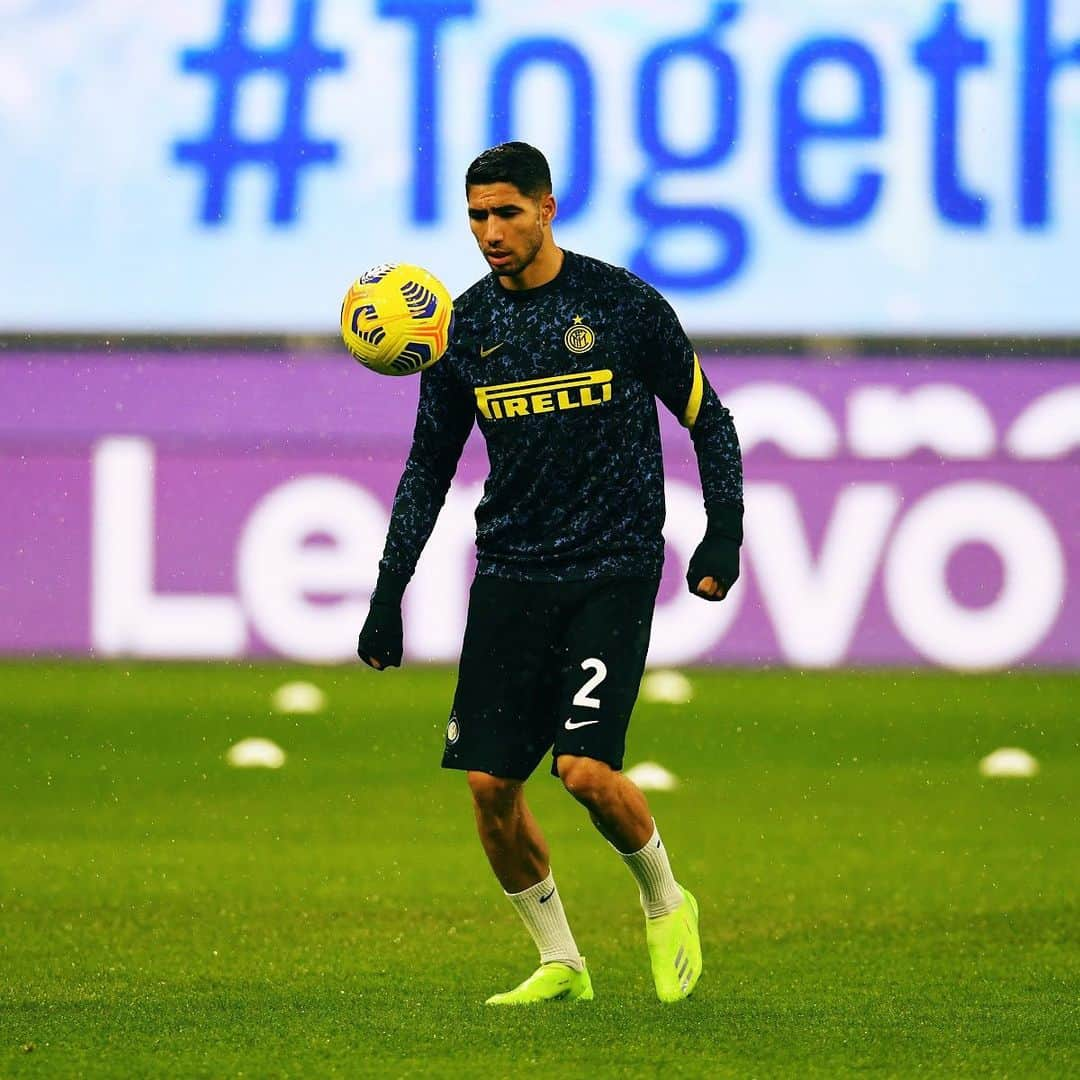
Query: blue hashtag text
[221, 150]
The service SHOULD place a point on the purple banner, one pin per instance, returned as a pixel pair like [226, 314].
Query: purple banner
[898, 512]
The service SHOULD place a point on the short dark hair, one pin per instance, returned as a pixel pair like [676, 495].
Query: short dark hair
[515, 163]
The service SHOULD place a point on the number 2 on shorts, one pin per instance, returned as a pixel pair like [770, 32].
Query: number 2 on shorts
[599, 674]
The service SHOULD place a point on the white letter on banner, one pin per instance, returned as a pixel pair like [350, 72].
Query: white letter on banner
[686, 627]
[306, 565]
[941, 628]
[778, 413]
[436, 601]
[126, 615]
[1048, 428]
[884, 422]
[815, 609]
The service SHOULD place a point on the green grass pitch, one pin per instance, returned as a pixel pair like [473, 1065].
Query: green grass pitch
[870, 904]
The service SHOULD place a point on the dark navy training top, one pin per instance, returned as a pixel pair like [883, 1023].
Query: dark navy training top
[562, 380]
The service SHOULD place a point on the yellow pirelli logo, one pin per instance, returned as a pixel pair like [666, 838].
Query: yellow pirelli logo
[556, 394]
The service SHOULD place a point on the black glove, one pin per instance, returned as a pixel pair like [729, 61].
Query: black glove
[381, 635]
[717, 556]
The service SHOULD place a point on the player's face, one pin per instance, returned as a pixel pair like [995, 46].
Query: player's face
[511, 229]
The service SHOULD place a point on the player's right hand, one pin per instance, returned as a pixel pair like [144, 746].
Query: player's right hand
[380, 641]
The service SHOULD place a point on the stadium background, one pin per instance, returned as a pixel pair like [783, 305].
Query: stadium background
[868, 218]
[890, 179]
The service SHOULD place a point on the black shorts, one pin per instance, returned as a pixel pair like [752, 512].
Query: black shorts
[548, 667]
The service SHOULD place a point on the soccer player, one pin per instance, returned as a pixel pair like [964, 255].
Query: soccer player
[559, 358]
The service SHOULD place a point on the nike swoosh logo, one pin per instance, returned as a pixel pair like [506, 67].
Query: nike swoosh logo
[545, 899]
[571, 726]
[494, 348]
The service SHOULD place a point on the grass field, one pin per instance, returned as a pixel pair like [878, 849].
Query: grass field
[870, 904]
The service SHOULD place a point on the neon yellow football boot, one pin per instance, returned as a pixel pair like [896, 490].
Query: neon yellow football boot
[549, 982]
[675, 950]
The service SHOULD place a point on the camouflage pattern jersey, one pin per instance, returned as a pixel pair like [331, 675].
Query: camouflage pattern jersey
[562, 381]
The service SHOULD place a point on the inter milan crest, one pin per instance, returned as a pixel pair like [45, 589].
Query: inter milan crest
[453, 729]
[579, 338]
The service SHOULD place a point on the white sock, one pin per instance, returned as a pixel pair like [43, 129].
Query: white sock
[541, 910]
[660, 895]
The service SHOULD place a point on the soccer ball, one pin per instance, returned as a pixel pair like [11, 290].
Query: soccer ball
[397, 318]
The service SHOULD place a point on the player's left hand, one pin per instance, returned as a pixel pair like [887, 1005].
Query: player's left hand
[710, 589]
[714, 567]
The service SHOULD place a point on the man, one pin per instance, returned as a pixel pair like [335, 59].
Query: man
[559, 358]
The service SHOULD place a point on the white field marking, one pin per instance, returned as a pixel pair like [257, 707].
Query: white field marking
[668, 686]
[1009, 761]
[298, 697]
[255, 754]
[650, 776]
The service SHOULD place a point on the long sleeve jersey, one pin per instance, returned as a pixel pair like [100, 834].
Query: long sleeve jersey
[562, 380]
